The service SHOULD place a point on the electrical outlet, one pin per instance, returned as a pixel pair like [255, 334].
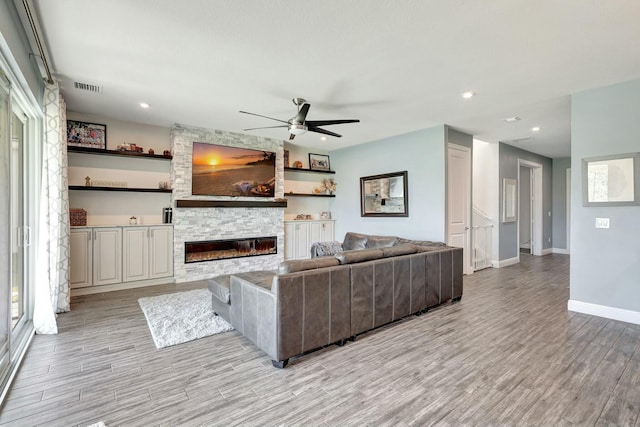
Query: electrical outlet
[602, 222]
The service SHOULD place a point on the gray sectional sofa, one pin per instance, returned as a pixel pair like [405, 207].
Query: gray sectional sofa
[308, 304]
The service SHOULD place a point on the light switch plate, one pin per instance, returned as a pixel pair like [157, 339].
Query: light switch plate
[602, 222]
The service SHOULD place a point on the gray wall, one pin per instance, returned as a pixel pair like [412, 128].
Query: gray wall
[559, 202]
[508, 157]
[13, 34]
[422, 154]
[605, 263]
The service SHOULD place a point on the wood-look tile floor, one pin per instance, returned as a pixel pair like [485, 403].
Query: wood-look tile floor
[509, 354]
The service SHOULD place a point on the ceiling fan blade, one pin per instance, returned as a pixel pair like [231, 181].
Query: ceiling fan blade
[268, 127]
[329, 122]
[302, 114]
[324, 131]
[266, 117]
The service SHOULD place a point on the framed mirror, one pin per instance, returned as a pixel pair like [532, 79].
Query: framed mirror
[509, 200]
[611, 180]
[384, 195]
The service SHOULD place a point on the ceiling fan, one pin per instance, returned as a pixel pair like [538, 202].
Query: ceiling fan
[298, 124]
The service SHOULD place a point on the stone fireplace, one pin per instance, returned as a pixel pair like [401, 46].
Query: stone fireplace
[223, 221]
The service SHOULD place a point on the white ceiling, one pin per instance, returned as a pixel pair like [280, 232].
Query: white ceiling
[397, 65]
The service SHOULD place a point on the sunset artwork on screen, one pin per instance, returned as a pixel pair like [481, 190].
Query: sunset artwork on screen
[220, 170]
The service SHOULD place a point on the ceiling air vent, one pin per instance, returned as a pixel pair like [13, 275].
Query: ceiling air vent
[520, 140]
[87, 87]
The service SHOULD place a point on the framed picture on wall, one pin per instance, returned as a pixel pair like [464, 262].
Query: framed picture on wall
[86, 135]
[611, 180]
[319, 162]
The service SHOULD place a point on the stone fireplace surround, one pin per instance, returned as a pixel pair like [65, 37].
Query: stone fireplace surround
[215, 223]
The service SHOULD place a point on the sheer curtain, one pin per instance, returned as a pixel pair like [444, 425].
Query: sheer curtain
[52, 270]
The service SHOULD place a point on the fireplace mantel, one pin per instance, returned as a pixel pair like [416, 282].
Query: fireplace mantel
[190, 203]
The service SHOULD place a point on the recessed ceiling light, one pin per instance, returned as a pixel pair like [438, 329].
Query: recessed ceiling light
[323, 138]
[535, 129]
[512, 119]
[467, 95]
[144, 105]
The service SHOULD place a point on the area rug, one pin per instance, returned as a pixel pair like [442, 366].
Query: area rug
[180, 317]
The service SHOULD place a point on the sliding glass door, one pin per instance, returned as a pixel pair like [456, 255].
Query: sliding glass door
[5, 227]
[19, 125]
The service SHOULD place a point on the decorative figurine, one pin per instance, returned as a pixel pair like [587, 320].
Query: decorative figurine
[151, 151]
[87, 181]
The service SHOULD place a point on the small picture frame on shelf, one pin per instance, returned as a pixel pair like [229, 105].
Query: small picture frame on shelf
[285, 158]
[319, 162]
[86, 135]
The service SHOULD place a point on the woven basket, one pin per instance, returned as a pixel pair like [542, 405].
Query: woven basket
[77, 217]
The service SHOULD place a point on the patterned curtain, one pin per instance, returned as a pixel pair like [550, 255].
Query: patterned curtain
[52, 271]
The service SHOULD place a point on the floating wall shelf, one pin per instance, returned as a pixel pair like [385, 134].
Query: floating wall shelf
[117, 153]
[131, 190]
[308, 170]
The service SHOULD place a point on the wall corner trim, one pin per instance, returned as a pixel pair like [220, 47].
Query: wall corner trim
[607, 312]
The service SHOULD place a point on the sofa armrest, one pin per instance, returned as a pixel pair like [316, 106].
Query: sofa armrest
[253, 314]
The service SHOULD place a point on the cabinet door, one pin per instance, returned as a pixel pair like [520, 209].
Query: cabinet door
[135, 254]
[328, 231]
[81, 259]
[302, 246]
[107, 255]
[315, 232]
[160, 252]
[289, 239]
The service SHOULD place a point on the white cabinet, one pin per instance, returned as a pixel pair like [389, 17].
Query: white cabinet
[120, 254]
[81, 250]
[160, 252]
[147, 253]
[299, 235]
[296, 240]
[107, 255]
[135, 252]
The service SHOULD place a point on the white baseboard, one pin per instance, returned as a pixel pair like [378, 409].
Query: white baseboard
[607, 312]
[546, 251]
[560, 251]
[505, 262]
[120, 286]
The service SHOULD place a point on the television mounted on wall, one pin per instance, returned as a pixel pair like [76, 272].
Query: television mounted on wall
[222, 170]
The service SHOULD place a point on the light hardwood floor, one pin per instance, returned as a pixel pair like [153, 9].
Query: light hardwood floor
[509, 354]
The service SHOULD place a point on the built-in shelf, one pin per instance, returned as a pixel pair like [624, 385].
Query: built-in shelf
[308, 170]
[187, 203]
[308, 195]
[131, 190]
[72, 149]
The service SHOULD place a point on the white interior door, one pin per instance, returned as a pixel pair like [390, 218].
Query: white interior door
[459, 201]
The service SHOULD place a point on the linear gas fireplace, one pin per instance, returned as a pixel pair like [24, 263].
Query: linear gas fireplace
[211, 250]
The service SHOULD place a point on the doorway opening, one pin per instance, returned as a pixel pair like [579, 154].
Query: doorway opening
[529, 208]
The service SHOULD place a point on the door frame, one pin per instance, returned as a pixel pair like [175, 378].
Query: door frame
[467, 259]
[568, 203]
[536, 207]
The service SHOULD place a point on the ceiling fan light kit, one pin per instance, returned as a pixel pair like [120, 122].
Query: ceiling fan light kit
[298, 124]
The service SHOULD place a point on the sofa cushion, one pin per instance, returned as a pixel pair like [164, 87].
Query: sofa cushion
[219, 287]
[405, 249]
[353, 241]
[294, 265]
[350, 257]
[376, 242]
[264, 279]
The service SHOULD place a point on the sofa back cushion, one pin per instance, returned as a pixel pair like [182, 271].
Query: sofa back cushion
[294, 265]
[404, 249]
[353, 241]
[377, 242]
[351, 257]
